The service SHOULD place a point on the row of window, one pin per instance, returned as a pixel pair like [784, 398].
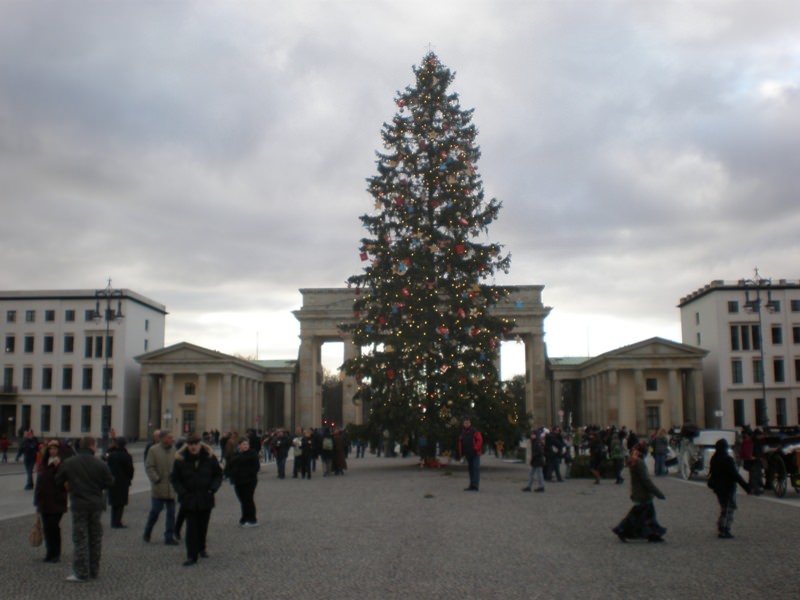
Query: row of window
[774, 306]
[50, 315]
[46, 381]
[761, 414]
[45, 418]
[778, 370]
[748, 337]
[92, 345]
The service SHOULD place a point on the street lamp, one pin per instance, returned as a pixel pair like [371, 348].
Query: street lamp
[108, 295]
[753, 305]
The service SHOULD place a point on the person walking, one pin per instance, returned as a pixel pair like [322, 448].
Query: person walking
[640, 522]
[470, 446]
[158, 468]
[121, 465]
[86, 477]
[196, 476]
[242, 470]
[537, 461]
[616, 452]
[722, 479]
[28, 449]
[281, 443]
[660, 446]
[339, 461]
[5, 443]
[50, 500]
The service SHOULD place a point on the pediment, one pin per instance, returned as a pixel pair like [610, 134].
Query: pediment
[184, 352]
[656, 347]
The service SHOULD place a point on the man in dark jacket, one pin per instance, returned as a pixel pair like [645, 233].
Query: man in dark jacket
[470, 446]
[28, 448]
[242, 469]
[722, 478]
[85, 477]
[196, 477]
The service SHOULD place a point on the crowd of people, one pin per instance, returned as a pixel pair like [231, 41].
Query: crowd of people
[185, 475]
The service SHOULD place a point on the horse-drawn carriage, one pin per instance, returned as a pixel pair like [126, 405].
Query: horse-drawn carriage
[696, 447]
[780, 449]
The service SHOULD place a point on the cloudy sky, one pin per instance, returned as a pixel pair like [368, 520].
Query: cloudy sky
[212, 155]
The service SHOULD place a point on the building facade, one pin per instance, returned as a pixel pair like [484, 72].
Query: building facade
[645, 386]
[68, 360]
[751, 329]
[186, 388]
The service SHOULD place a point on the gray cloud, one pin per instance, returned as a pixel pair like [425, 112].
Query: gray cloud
[214, 156]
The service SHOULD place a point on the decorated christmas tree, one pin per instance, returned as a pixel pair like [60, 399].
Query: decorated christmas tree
[429, 343]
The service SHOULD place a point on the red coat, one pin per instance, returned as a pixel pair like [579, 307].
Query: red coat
[477, 441]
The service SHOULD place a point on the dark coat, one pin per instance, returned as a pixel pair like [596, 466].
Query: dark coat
[196, 478]
[243, 468]
[87, 477]
[121, 465]
[723, 475]
[537, 452]
[48, 496]
[642, 487]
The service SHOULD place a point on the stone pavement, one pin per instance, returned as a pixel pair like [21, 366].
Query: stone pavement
[387, 530]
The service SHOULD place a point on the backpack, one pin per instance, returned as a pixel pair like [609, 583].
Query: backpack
[327, 443]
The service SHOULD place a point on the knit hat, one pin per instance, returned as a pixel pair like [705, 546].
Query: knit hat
[193, 439]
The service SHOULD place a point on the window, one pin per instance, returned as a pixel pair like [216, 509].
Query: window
[69, 343]
[774, 306]
[87, 346]
[147, 324]
[745, 337]
[189, 389]
[738, 413]
[11, 316]
[146, 344]
[777, 370]
[735, 344]
[44, 418]
[50, 315]
[761, 412]
[780, 411]
[28, 343]
[47, 378]
[25, 417]
[795, 334]
[66, 378]
[86, 418]
[110, 347]
[758, 371]
[733, 306]
[88, 315]
[699, 339]
[87, 378]
[66, 418]
[797, 371]
[98, 346]
[48, 344]
[737, 374]
[697, 318]
[30, 316]
[27, 378]
[108, 378]
[651, 384]
[10, 343]
[69, 315]
[8, 379]
[755, 331]
[653, 415]
[777, 334]
[795, 304]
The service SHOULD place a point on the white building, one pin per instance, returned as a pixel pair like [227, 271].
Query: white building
[751, 330]
[56, 348]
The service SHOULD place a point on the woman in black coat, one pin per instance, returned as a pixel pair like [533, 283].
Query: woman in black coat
[722, 478]
[50, 499]
[120, 464]
[242, 469]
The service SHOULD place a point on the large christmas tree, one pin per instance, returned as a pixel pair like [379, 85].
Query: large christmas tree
[429, 343]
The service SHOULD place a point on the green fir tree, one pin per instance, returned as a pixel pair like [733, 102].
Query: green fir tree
[422, 306]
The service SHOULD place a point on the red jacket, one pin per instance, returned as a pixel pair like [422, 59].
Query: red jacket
[477, 441]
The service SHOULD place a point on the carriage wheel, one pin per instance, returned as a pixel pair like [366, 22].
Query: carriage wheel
[777, 474]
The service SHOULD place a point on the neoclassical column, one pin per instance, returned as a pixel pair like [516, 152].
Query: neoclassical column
[351, 413]
[638, 399]
[674, 398]
[200, 420]
[227, 402]
[168, 403]
[612, 398]
[144, 406]
[697, 404]
[289, 419]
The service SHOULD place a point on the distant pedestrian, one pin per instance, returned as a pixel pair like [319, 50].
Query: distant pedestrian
[640, 522]
[470, 446]
[537, 461]
[242, 470]
[50, 500]
[28, 449]
[158, 468]
[121, 465]
[722, 479]
[197, 476]
[86, 477]
[616, 453]
[281, 443]
[597, 454]
[660, 445]
[4, 445]
[339, 462]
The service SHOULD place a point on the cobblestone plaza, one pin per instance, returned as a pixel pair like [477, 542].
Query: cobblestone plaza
[387, 530]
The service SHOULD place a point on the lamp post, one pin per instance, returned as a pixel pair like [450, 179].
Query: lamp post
[108, 295]
[754, 305]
